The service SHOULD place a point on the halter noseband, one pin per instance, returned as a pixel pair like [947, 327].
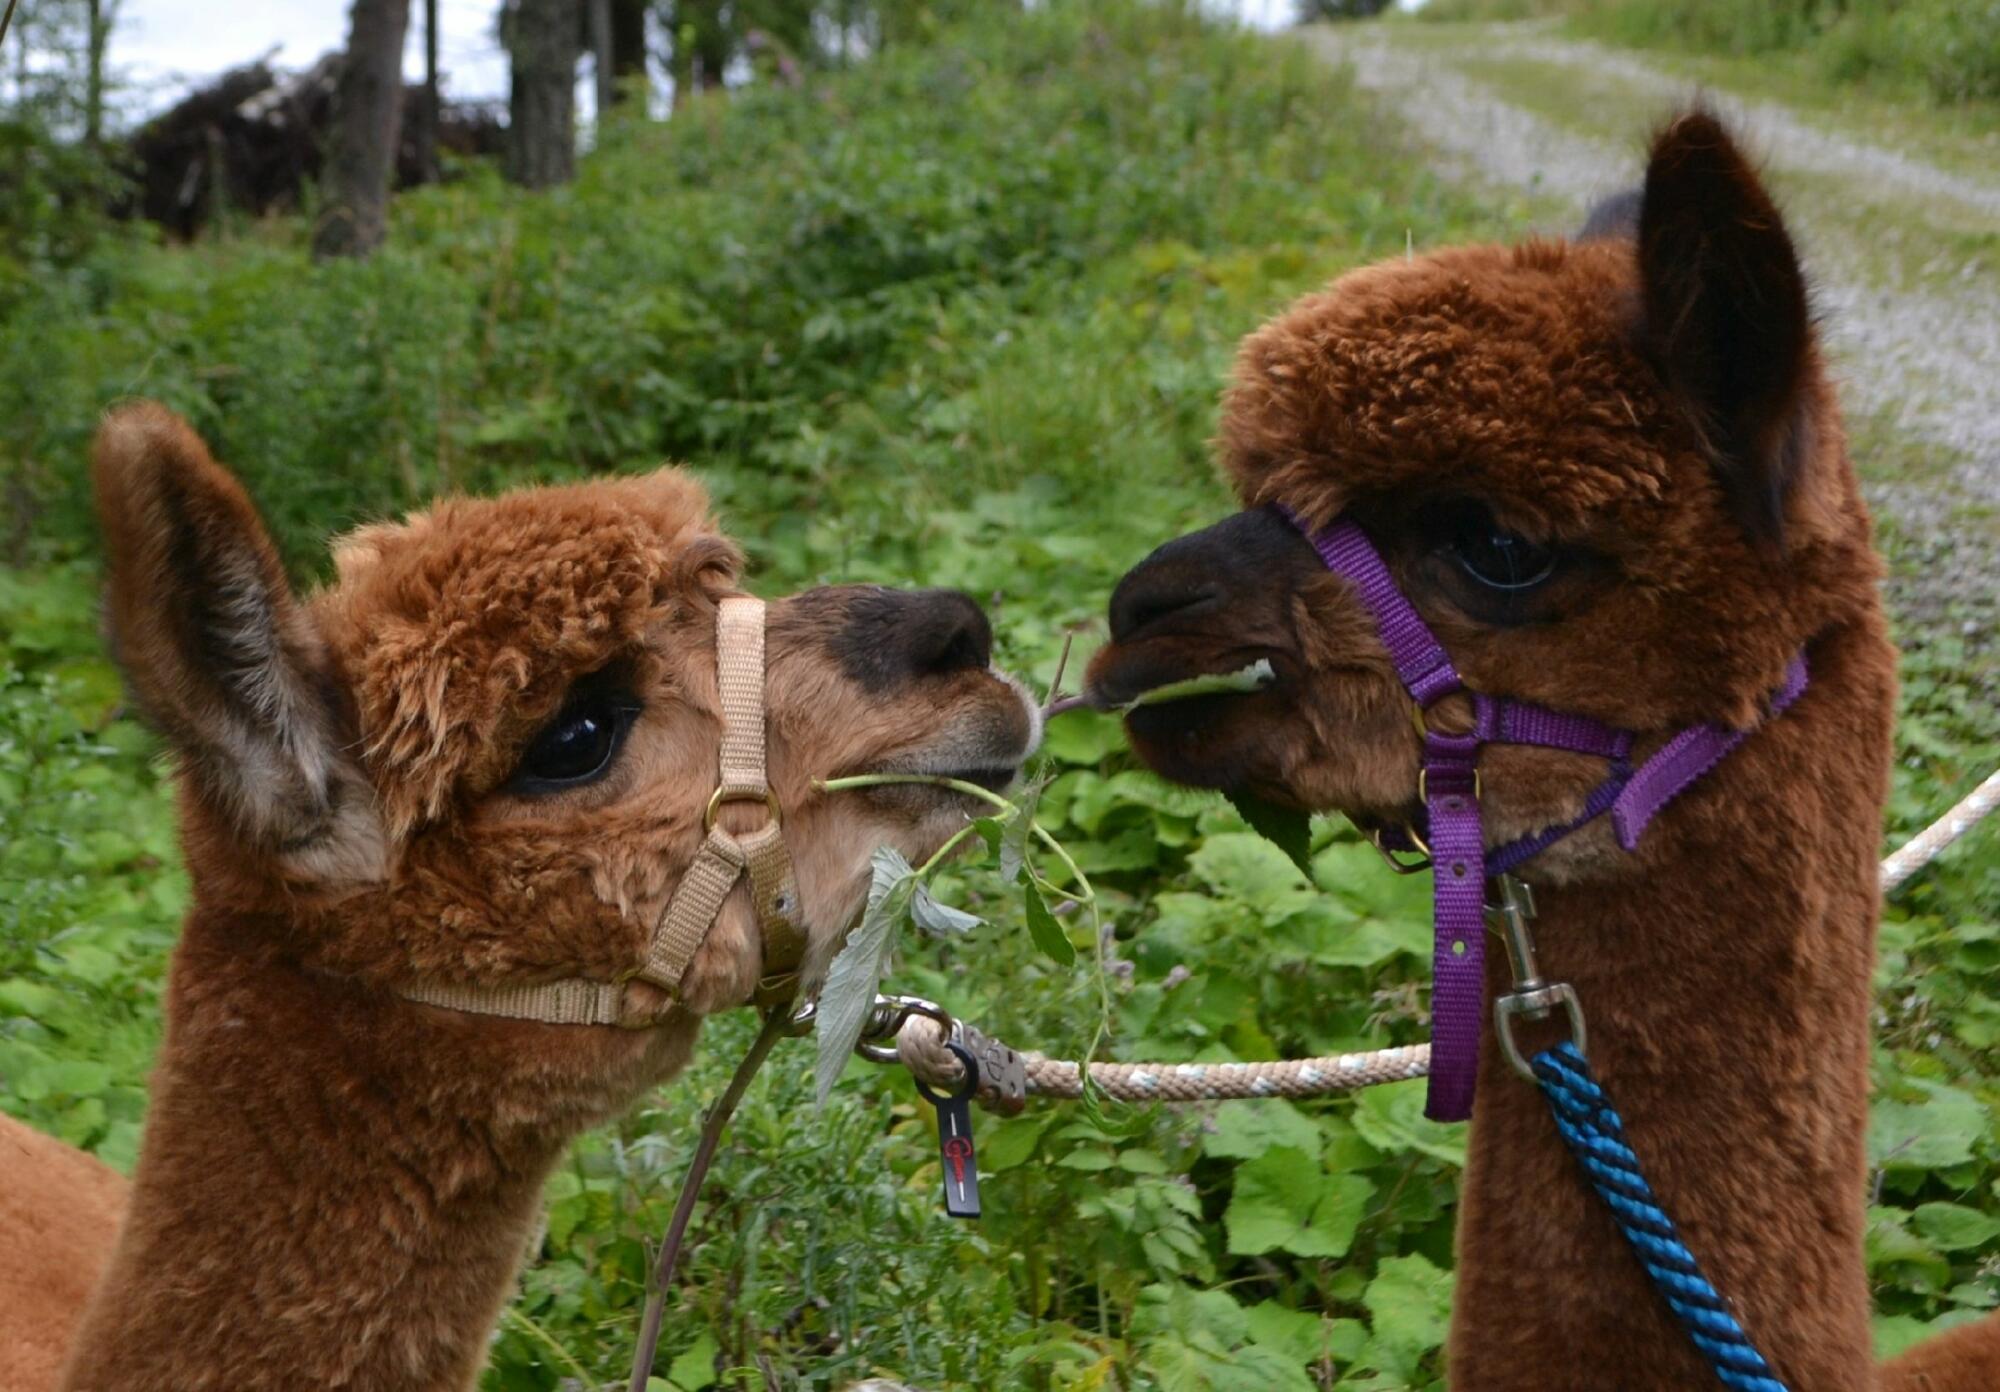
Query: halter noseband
[1449, 788]
[697, 901]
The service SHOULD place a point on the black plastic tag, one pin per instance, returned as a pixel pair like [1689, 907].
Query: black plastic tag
[956, 1155]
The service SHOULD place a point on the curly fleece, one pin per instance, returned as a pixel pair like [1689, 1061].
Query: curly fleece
[461, 628]
[337, 1184]
[1658, 404]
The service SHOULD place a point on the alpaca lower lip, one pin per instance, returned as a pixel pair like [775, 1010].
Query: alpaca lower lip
[1177, 722]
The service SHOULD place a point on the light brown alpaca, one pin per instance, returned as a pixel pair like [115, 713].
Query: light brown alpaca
[480, 757]
[59, 1215]
[1611, 476]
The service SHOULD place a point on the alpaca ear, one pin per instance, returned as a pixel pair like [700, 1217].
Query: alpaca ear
[1726, 312]
[218, 654]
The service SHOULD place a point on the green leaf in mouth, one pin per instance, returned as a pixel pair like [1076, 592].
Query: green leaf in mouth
[1255, 677]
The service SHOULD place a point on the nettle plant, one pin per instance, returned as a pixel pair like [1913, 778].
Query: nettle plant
[899, 893]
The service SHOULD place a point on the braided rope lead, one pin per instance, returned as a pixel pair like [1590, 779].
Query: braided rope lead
[1923, 848]
[921, 1047]
[1206, 1082]
[1595, 1135]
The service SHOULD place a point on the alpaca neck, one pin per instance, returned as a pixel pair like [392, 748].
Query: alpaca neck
[323, 1200]
[1726, 987]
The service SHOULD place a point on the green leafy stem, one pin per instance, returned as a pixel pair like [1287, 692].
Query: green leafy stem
[898, 892]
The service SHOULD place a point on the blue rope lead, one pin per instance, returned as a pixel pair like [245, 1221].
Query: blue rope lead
[1596, 1137]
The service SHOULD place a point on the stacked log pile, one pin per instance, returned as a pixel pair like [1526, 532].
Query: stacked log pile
[254, 139]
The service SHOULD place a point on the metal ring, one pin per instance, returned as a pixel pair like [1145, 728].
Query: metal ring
[722, 795]
[801, 1020]
[1402, 867]
[1536, 1005]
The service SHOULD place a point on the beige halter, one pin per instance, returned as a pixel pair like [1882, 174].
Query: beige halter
[722, 860]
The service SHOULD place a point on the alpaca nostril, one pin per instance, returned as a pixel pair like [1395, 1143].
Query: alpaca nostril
[887, 637]
[1223, 568]
[1143, 599]
[952, 635]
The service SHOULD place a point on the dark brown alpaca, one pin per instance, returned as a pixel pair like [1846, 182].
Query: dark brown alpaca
[1612, 477]
[481, 756]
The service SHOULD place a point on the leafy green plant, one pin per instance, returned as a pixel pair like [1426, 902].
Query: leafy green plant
[897, 892]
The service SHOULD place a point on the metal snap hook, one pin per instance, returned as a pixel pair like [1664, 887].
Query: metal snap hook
[1532, 998]
[886, 1019]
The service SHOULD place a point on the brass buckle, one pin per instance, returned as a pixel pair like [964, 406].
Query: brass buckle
[799, 1023]
[722, 795]
[1424, 786]
[777, 989]
[1402, 867]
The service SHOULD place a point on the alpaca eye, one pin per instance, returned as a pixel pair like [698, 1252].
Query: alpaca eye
[578, 745]
[1500, 559]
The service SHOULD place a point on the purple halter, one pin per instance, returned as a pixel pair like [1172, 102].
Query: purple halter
[1449, 788]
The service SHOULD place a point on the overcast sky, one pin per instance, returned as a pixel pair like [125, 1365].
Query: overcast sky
[164, 45]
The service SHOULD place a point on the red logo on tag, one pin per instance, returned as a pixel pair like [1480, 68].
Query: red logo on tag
[958, 1150]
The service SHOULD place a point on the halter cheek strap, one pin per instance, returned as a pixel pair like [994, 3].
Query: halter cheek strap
[723, 859]
[1449, 789]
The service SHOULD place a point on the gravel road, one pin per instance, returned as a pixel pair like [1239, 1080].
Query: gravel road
[1915, 334]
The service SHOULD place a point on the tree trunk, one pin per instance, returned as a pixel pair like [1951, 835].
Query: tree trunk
[600, 56]
[368, 112]
[430, 108]
[628, 45]
[702, 42]
[541, 139]
[102, 13]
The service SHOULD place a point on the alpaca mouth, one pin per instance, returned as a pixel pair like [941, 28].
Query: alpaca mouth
[1244, 681]
[1156, 696]
[985, 747]
[1196, 710]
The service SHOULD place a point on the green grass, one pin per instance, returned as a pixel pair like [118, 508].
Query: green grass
[959, 318]
[1962, 137]
[1935, 245]
[1961, 140]
[1943, 53]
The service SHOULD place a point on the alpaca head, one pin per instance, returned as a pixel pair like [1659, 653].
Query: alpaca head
[483, 753]
[1609, 473]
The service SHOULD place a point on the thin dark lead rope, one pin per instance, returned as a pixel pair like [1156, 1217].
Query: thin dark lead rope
[776, 1026]
[1596, 1136]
